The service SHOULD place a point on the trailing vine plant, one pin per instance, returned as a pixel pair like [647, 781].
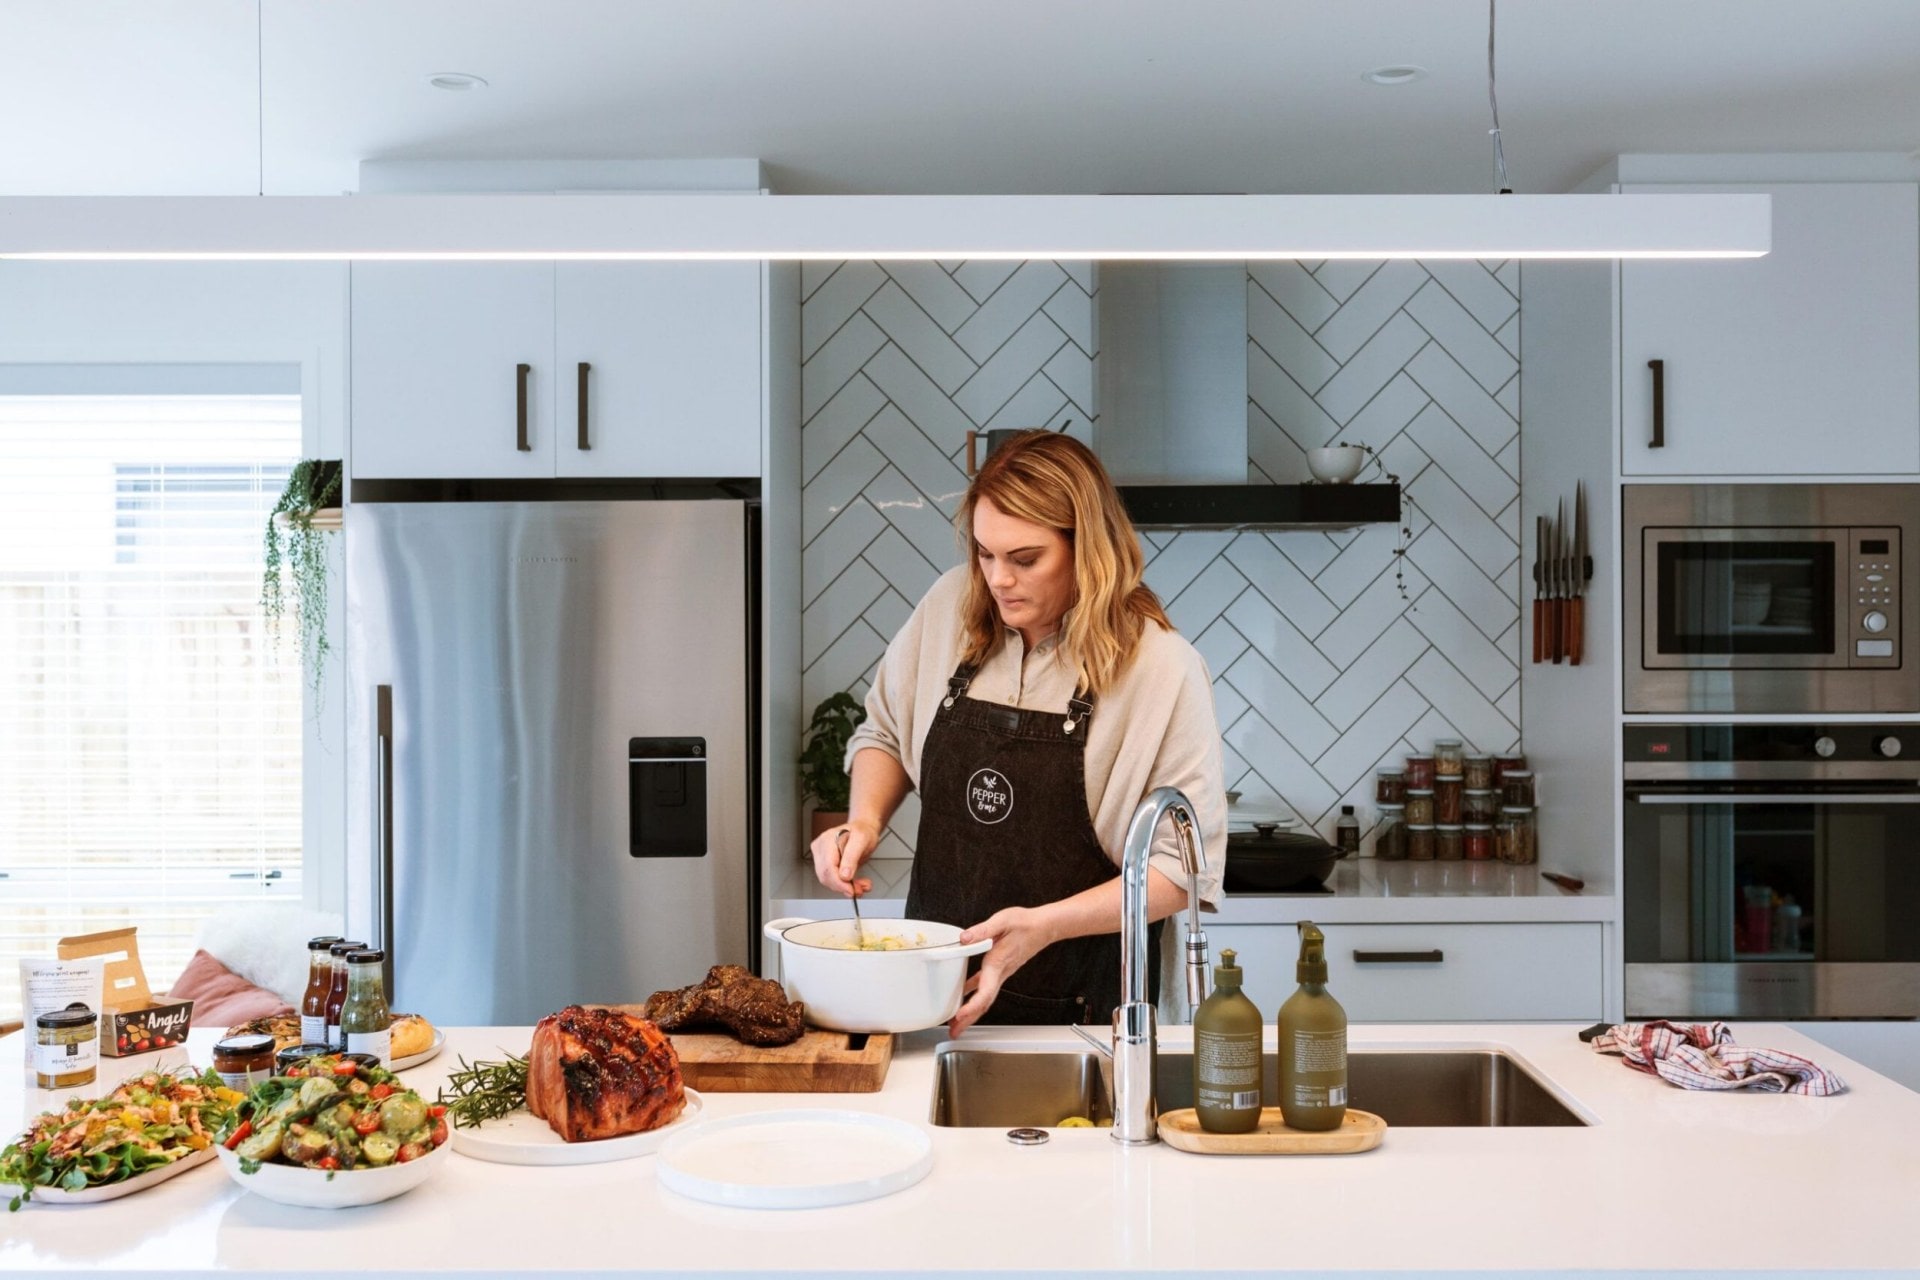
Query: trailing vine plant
[296, 551]
[1381, 474]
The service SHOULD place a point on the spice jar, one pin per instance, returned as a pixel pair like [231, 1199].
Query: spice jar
[1390, 834]
[66, 1047]
[1515, 837]
[1478, 806]
[1420, 843]
[1476, 773]
[1516, 791]
[1449, 843]
[1419, 773]
[1419, 808]
[1504, 765]
[1478, 842]
[244, 1061]
[1446, 801]
[1389, 787]
[1449, 758]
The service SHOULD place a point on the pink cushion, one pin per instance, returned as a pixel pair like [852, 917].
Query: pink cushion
[221, 997]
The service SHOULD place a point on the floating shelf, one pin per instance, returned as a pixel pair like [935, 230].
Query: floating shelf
[1261, 506]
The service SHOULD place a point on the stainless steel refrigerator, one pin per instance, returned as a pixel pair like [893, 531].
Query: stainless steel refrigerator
[550, 749]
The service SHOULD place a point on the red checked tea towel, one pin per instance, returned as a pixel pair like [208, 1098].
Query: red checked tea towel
[1704, 1056]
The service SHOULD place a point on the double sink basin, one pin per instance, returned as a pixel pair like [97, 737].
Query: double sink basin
[1455, 1087]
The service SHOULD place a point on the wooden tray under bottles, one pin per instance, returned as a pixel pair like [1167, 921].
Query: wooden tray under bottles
[1359, 1131]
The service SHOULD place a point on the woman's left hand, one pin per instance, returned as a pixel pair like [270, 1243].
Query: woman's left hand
[1019, 934]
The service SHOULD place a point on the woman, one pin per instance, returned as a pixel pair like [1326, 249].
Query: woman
[1036, 695]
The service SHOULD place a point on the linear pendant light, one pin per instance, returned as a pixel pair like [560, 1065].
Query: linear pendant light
[752, 226]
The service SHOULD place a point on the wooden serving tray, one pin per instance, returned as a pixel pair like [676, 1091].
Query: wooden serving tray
[1359, 1131]
[818, 1062]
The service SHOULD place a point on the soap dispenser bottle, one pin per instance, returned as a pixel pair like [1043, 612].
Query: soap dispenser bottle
[1313, 1043]
[1226, 1054]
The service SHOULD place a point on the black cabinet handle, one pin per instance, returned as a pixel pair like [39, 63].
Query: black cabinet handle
[520, 372]
[584, 366]
[1659, 368]
[1399, 957]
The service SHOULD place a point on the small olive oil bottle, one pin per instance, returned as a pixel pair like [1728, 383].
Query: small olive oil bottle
[1313, 1043]
[1226, 1054]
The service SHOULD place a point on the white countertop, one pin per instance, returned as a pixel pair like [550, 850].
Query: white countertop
[1662, 1181]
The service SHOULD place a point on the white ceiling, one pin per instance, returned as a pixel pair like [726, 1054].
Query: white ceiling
[163, 97]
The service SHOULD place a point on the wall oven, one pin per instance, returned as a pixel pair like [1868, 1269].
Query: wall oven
[1787, 598]
[1772, 871]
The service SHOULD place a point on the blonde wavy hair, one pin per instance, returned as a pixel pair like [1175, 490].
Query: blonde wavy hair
[1052, 479]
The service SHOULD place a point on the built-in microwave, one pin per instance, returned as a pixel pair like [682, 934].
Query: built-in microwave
[1769, 598]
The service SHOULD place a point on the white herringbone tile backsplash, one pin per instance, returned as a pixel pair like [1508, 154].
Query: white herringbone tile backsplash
[1322, 671]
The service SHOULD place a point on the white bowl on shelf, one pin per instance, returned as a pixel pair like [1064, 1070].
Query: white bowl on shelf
[1336, 464]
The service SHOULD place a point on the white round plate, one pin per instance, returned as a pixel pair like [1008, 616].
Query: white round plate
[796, 1159]
[521, 1137]
[415, 1059]
[114, 1190]
[319, 1189]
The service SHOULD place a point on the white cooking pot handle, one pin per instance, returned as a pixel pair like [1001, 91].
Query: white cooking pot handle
[774, 928]
[954, 949]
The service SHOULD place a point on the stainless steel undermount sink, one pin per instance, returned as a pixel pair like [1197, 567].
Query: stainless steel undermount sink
[988, 1088]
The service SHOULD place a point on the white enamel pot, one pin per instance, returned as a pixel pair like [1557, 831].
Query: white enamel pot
[848, 990]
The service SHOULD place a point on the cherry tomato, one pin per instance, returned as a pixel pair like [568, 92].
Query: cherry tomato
[366, 1122]
[124, 1042]
[411, 1151]
[327, 1162]
[436, 1110]
[143, 1045]
[439, 1132]
[159, 1042]
[380, 1091]
[345, 1068]
[240, 1135]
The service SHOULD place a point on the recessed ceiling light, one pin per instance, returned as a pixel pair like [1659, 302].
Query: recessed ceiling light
[1400, 74]
[455, 81]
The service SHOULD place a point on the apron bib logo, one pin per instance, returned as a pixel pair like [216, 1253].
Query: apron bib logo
[989, 796]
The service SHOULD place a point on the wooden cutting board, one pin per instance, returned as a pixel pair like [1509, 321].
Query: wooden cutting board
[818, 1062]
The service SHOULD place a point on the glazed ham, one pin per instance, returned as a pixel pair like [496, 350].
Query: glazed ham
[598, 1073]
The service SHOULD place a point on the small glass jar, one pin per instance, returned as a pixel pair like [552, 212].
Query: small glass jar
[1419, 773]
[1515, 837]
[1478, 842]
[66, 1047]
[1419, 808]
[1389, 787]
[1478, 806]
[1504, 765]
[1390, 834]
[1449, 843]
[1516, 790]
[1449, 757]
[1447, 801]
[1420, 843]
[242, 1062]
[1476, 773]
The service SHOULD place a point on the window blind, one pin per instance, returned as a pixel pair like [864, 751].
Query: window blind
[150, 720]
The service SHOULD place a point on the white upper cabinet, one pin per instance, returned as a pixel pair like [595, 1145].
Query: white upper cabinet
[1804, 362]
[475, 370]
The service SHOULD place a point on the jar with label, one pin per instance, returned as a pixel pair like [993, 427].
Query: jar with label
[244, 1061]
[337, 990]
[313, 1004]
[1446, 801]
[365, 1022]
[66, 1047]
[1515, 838]
[1389, 787]
[1419, 808]
[1478, 842]
[1476, 773]
[1478, 806]
[1449, 843]
[1419, 773]
[1504, 765]
[1390, 834]
[1420, 843]
[1516, 790]
[1449, 757]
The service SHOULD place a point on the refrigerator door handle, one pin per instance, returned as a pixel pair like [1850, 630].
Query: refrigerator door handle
[383, 824]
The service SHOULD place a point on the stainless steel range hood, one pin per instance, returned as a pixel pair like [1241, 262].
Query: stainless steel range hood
[1172, 429]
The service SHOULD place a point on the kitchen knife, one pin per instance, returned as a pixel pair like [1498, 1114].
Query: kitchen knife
[1578, 572]
[1539, 587]
[1557, 629]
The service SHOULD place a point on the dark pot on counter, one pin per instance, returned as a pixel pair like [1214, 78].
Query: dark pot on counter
[1268, 859]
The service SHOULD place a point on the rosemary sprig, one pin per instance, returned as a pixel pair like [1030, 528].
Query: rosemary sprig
[480, 1091]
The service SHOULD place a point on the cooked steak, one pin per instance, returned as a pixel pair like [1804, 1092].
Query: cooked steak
[754, 1009]
[598, 1073]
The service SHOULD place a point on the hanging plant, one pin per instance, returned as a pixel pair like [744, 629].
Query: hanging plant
[295, 557]
[1380, 473]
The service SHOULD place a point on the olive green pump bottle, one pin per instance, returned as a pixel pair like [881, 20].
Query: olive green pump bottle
[1313, 1043]
[1226, 1054]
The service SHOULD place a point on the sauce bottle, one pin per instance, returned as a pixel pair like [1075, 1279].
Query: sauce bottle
[313, 1004]
[1313, 1043]
[365, 1023]
[337, 991]
[1346, 832]
[1226, 1054]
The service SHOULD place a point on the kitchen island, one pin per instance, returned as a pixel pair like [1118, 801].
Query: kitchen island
[1659, 1181]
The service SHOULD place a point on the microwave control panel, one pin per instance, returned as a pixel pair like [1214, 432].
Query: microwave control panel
[1873, 605]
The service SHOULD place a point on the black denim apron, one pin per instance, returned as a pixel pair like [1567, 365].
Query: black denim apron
[1004, 823]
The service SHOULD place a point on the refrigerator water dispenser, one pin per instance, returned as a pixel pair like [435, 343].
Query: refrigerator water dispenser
[667, 797]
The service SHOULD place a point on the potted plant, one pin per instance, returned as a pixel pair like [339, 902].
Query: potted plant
[823, 773]
[295, 550]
